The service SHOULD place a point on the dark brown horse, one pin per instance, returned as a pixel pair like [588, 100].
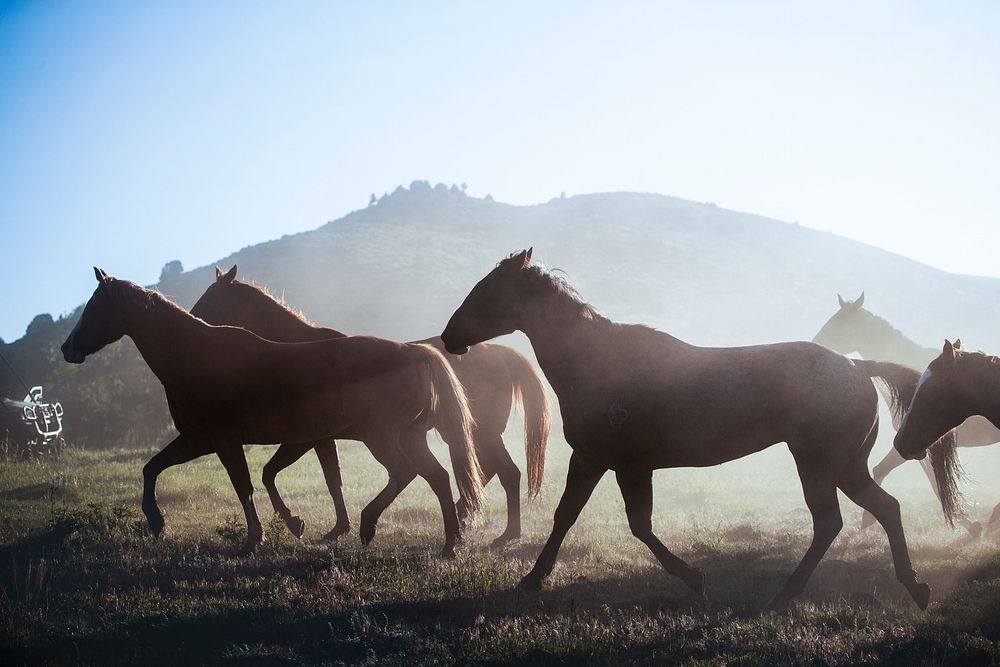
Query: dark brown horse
[493, 377]
[855, 329]
[955, 386]
[634, 400]
[227, 387]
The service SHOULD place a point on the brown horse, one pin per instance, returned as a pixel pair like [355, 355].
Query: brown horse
[955, 386]
[634, 400]
[227, 387]
[853, 328]
[493, 376]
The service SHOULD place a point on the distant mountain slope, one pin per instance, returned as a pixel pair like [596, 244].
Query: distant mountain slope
[400, 267]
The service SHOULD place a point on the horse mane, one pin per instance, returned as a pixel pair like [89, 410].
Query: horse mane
[262, 291]
[890, 329]
[564, 297]
[975, 356]
[565, 302]
[129, 293]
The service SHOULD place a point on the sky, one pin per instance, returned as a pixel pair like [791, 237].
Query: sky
[132, 134]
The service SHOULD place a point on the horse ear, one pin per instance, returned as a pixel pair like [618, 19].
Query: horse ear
[227, 277]
[101, 276]
[527, 257]
[518, 261]
[948, 351]
[840, 300]
[958, 344]
[860, 301]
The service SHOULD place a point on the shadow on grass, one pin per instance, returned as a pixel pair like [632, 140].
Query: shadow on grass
[103, 552]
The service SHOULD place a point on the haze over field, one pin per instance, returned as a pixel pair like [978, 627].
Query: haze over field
[399, 268]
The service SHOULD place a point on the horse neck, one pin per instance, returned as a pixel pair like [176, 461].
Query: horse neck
[982, 387]
[884, 343]
[163, 335]
[566, 344]
[284, 326]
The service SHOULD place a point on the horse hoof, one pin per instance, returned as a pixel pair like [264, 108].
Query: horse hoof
[156, 524]
[530, 583]
[337, 531]
[696, 581]
[921, 594]
[248, 549]
[297, 526]
[448, 553]
[367, 534]
[502, 541]
[779, 603]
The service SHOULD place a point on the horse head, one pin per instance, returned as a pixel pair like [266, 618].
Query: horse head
[490, 309]
[936, 407]
[841, 331]
[100, 324]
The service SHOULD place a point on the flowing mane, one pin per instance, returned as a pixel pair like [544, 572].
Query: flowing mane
[126, 292]
[567, 301]
[260, 291]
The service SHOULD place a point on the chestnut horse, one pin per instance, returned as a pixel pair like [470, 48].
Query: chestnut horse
[493, 377]
[853, 328]
[955, 386]
[227, 387]
[634, 400]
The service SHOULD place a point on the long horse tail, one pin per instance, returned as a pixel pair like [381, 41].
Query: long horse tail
[451, 416]
[900, 384]
[529, 392]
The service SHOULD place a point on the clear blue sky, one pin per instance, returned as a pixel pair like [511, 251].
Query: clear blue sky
[136, 133]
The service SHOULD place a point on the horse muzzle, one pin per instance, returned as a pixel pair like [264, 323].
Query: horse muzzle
[918, 455]
[71, 355]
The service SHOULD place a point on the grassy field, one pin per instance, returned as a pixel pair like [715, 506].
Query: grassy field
[83, 582]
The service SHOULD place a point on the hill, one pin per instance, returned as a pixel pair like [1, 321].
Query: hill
[400, 267]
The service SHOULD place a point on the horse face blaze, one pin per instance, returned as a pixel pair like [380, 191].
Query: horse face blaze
[927, 419]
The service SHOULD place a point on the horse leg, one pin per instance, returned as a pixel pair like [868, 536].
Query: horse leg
[180, 450]
[386, 450]
[637, 492]
[425, 465]
[580, 482]
[889, 462]
[235, 462]
[858, 485]
[399, 478]
[329, 461]
[510, 480]
[287, 454]
[821, 498]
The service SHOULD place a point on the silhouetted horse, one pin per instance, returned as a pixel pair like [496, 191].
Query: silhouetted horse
[855, 329]
[492, 377]
[955, 386]
[227, 387]
[634, 399]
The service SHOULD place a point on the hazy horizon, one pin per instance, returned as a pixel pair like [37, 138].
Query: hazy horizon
[133, 136]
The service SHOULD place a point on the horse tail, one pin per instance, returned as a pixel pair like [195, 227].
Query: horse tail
[900, 384]
[898, 381]
[529, 392]
[451, 415]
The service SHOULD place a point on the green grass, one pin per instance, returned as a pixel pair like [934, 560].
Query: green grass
[84, 583]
